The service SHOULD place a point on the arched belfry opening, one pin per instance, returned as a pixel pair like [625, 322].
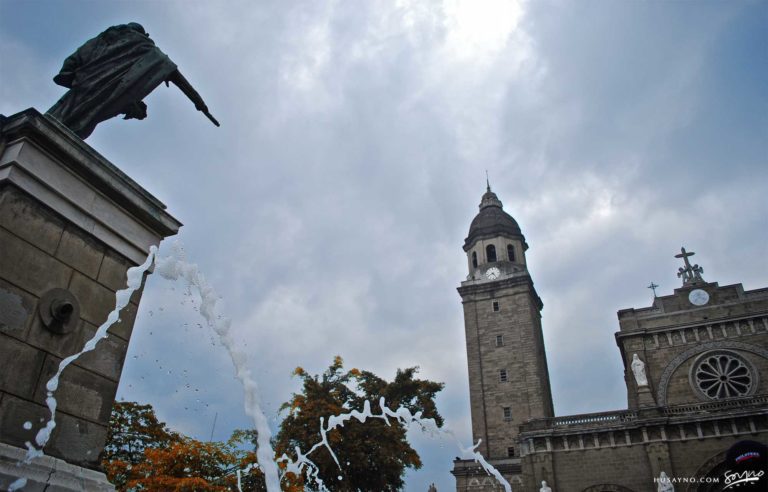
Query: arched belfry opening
[490, 253]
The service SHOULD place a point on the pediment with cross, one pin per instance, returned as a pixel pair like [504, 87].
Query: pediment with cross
[691, 274]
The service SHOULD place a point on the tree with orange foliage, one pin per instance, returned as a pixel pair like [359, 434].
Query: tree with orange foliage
[373, 455]
[133, 428]
[143, 454]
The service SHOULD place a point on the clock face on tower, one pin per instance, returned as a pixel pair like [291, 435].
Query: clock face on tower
[492, 273]
[698, 297]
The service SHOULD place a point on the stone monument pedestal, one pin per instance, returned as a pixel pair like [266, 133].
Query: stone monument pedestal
[645, 397]
[71, 224]
[48, 474]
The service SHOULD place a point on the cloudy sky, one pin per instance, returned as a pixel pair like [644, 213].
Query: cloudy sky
[330, 208]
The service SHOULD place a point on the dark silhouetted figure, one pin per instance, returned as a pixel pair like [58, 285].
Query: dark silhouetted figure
[110, 74]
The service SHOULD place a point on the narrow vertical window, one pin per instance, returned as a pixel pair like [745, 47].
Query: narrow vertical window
[490, 253]
[510, 252]
[510, 452]
[474, 259]
[495, 306]
[499, 340]
[503, 375]
[507, 413]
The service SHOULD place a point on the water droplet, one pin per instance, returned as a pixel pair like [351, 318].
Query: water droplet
[340, 478]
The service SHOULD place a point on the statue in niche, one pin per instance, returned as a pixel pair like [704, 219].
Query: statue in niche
[545, 487]
[664, 484]
[110, 74]
[638, 368]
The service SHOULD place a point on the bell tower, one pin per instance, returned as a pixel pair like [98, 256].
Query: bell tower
[508, 375]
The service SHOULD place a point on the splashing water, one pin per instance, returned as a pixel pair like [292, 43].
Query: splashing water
[402, 416]
[174, 267]
[122, 298]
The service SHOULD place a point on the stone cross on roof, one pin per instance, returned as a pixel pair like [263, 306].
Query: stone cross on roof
[689, 274]
[653, 288]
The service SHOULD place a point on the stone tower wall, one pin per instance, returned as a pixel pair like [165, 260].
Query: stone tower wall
[526, 390]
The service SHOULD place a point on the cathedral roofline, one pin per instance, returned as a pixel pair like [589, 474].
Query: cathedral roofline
[720, 297]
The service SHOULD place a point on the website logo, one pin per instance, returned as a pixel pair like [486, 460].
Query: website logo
[734, 479]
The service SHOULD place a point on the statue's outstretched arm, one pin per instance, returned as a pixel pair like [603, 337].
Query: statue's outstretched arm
[182, 83]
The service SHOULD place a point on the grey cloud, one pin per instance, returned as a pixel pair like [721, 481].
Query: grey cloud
[330, 208]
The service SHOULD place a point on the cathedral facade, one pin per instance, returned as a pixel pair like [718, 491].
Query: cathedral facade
[696, 373]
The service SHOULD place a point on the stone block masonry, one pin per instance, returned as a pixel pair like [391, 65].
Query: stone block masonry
[71, 223]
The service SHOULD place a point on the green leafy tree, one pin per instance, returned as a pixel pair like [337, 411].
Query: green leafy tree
[373, 455]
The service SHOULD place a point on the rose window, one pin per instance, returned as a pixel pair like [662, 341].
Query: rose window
[722, 374]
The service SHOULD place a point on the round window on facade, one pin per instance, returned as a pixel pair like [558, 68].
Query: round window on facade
[722, 374]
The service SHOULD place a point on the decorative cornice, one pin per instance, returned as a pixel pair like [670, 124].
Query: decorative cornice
[49, 163]
[80, 158]
[471, 468]
[474, 288]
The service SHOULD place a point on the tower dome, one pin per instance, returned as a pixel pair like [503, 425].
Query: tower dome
[495, 246]
[492, 221]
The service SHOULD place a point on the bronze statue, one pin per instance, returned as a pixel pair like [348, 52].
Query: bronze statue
[111, 74]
